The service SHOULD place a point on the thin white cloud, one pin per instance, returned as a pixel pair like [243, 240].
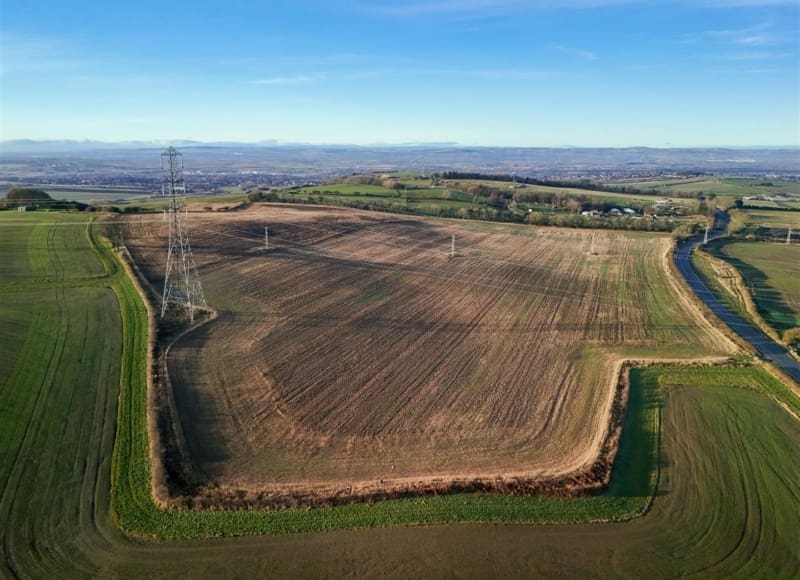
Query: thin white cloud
[584, 54]
[260, 63]
[762, 34]
[756, 56]
[37, 54]
[483, 73]
[512, 74]
[755, 40]
[746, 71]
[290, 80]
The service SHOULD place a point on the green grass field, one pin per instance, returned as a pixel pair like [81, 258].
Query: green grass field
[758, 203]
[772, 272]
[361, 190]
[773, 219]
[708, 270]
[193, 201]
[124, 195]
[95, 194]
[72, 338]
[719, 185]
[415, 197]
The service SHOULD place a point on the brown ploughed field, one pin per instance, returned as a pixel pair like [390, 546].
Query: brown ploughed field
[356, 354]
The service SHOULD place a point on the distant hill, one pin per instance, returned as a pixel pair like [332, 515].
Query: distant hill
[36, 198]
[17, 196]
[110, 160]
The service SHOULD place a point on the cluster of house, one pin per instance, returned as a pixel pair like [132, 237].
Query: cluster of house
[668, 207]
[613, 212]
[771, 198]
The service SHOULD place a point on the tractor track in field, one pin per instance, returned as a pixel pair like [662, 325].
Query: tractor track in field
[11, 485]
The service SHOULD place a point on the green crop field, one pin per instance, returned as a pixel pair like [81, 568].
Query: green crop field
[72, 425]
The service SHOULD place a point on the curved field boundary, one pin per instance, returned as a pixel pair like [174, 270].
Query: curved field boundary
[590, 480]
[133, 485]
[215, 485]
[146, 519]
[137, 513]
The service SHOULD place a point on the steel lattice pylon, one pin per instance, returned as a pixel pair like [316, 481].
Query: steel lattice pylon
[181, 280]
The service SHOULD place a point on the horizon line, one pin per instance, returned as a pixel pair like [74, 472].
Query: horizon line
[156, 143]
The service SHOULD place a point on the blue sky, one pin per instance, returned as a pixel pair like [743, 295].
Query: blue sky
[477, 72]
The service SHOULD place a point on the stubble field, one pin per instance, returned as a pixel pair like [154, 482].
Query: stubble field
[356, 354]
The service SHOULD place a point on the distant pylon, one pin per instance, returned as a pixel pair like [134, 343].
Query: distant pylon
[181, 280]
[452, 246]
[705, 238]
[789, 236]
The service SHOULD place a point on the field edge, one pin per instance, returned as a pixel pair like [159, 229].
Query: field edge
[137, 507]
[137, 513]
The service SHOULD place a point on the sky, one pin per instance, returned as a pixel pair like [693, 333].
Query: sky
[617, 73]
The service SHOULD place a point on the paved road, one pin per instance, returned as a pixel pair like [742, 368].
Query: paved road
[767, 347]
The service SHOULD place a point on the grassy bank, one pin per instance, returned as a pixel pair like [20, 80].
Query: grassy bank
[768, 293]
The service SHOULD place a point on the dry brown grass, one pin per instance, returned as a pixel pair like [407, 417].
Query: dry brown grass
[357, 355]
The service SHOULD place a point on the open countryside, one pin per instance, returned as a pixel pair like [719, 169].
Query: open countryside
[691, 423]
[406, 289]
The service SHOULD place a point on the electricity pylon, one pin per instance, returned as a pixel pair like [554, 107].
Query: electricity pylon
[181, 281]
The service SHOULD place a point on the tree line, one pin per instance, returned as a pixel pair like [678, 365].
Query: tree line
[587, 184]
[487, 213]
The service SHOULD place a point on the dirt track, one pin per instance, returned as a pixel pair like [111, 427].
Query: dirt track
[356, 354]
